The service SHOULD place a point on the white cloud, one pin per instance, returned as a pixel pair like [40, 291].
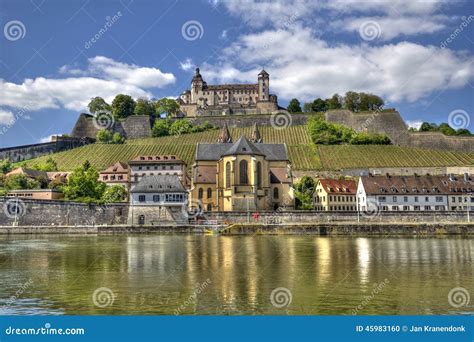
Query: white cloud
[103, 77]
[6, 117]
[392, 27]
[187, 64]
[306, 67]
[414, 124]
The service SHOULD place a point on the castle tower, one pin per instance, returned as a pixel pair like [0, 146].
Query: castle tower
[224, 135]
[196, 86]
[263, 86]
[256, 137]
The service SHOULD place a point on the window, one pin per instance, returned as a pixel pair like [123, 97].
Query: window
[439, 199]
[141, 198]
[416, 208]
[427, 199]
[200, 193]
[382, 199]
[259, 174]
[416, 198]
[244, 172]
[209, 193]
[427, 207]
[405, 198]
[227, 175]
[209, 207]
[406, 208]
[394, 198]
[394, 207]
[156, 198]
[275, 193]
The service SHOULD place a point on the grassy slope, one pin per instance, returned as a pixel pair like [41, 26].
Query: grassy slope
[303, 154]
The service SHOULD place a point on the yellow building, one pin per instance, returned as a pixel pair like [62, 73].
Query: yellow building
[247, 175]
[335, 195]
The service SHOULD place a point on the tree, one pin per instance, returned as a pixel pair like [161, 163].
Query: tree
[428, 127]
[319, 105]
[351, 101]
[364, 138]
[48, 166]
[294, 106]
[5, 166]
[335, 102]
[308, 107]
[104, 136]
[180, 127]
[98, 104]
[21, 182]
[144, 107]
[123, 106]
[83, 185]
[117, 138]
[304, 191]
[446, 129]
[463, 131]
[167, 106]
[161, 127]
[114, 193]
[375, 102]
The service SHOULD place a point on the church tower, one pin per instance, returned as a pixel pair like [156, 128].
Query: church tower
[224, 135]
[263, 86]
[196, 86]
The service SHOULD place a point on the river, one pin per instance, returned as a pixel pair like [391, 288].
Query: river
[235, 275]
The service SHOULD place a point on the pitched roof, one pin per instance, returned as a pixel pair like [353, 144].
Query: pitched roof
[339, 186]
[27, 172]
[405, 185]
[243, 147]
[214, 152]
[159, 183]
[263, 73]
[279, 175]
[459, 184]
[155, 159]
[118, 167]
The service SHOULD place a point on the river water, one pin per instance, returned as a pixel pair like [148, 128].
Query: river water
[235, 275]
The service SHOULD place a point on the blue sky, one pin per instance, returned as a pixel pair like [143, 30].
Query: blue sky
[418, 55]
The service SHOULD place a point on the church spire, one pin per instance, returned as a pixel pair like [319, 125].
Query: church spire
[256, 137]
[224, 135]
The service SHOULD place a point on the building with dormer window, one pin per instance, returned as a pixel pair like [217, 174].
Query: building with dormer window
[335, 195]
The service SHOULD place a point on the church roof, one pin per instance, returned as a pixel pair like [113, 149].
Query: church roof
[243, 146]
[263, 73]
[214, 152]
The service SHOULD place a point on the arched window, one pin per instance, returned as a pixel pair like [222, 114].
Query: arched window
[259, 174]
[244, 179]
[275, 193]
[227, 175]
[209, 193]
[209, 207]
[200, 193]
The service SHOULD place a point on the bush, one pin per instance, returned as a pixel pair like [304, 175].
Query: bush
[180, 127]
[114, 193]
[161, 128]
[21, 182]
[117, 138]
[106, 137]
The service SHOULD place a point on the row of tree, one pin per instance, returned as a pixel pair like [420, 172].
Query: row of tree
[326, 133]
[352, 101]
[444, 128]
[124, 106]
[165, 127]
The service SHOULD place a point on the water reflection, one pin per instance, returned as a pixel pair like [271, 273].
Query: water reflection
[156, 274]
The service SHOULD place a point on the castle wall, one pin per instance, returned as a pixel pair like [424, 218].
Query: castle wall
[25, 152]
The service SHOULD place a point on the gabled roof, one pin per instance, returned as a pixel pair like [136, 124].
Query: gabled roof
[263, 73]
[279, 175]
[243, 147]
[27, 172]
[118, 167]
[214, 152]
[159, 183]
[405, 185]
[155, 159]
[339, 186]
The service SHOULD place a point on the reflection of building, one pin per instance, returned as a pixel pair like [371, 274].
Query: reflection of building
[116, 174]
[157, 199]
[156, 165]
[241, 176]
[335, 195]
[205, 99]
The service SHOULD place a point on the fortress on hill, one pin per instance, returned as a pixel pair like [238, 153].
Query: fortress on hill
[224, 99]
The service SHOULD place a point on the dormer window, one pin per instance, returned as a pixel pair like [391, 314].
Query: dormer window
[393, 189]
[414, 189]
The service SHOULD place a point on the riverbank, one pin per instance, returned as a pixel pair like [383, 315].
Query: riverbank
[336, 228]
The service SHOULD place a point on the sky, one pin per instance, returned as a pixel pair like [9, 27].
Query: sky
[55, 55]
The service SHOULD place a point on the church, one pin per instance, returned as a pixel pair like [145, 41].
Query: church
[227, 99]
[245, 175]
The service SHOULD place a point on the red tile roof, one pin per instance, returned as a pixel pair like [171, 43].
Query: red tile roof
[339, 186]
